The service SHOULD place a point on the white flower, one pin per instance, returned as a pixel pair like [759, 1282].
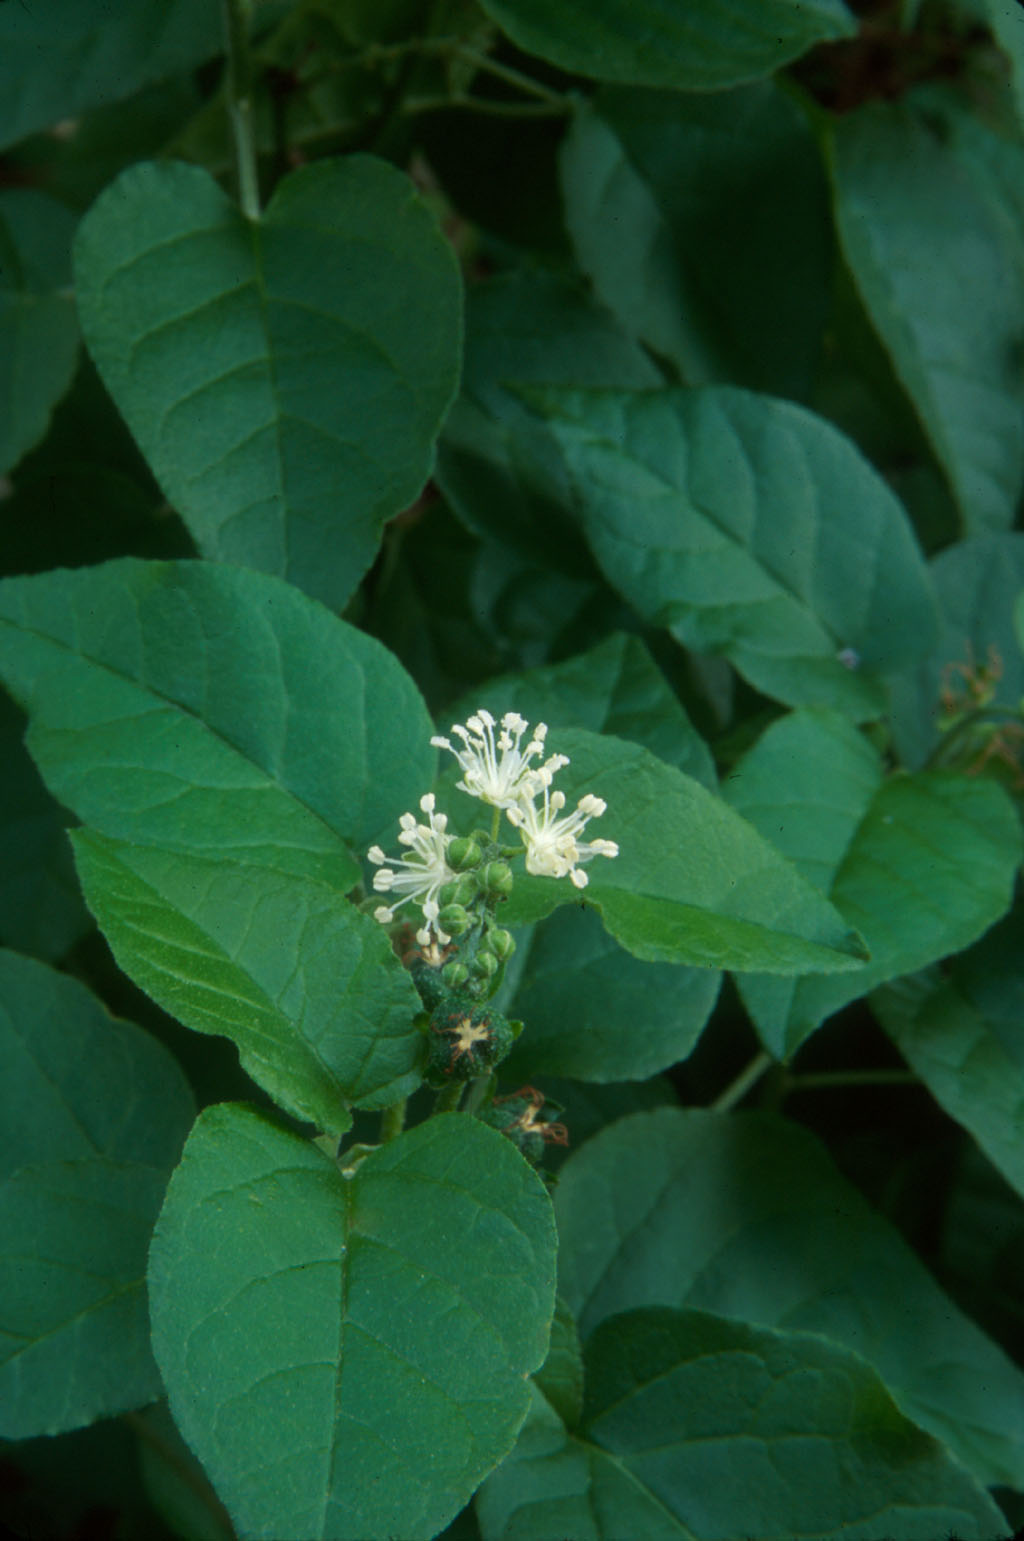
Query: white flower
[419, 876]
[505, 781]
[552, 847]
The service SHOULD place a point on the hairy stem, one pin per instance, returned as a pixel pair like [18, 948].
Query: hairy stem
[392, 1121]
[748, 1076]
[236, 14]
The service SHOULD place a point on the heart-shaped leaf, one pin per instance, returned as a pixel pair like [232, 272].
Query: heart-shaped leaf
[93, 1113]
[308, 988]
[268, 369]
[348, 1353]
[202, 708]
[700, 46]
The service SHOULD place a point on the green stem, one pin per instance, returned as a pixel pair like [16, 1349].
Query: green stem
[948, 745]
[478, 1089]
[449, 1098]
[822, 1079]
[737, 1089]
[236, 14]
[495, 825]
[183, 1470]
[392, 1121]
[512, 77]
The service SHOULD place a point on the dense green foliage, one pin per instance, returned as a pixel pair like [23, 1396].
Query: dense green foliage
[638, 1154]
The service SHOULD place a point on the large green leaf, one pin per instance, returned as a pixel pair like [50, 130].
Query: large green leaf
[93, 1113]
[703, 221]
[696, 1428]
[349, 1357]
[1007, 25]
[38, 331]
[977, 582]
[701, 46]
[751, 528]
[58, 59]
[745, 1215]
[203, 708]
[305, 985]
[920, 864]
[901, 195]
[595, 1013]
[615, 687]
[502, 474]
[693, 882]
[76, 1082]
[268, 369]
[74, 1326]
[963, 1035]
[41, 910]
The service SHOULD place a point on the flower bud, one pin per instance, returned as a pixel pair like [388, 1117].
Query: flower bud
[463, 854]
[455, 919]
[485, 964]
[454, 974]
[501, 943]
[462, 890]
[496, 879]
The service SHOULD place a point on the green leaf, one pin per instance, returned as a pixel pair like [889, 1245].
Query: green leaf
[175, 1481]
[60, 59]
[962, 1034]
[693, 882]
[500, 471]
[615, 687]
[268, 370]
[93, 1113]
[595, 1013]
[746, 1216]
[560, 1377]
[41, 910]
[206, 709]
[74, 1333]
[1007, 25]
[920, 864]
[751, 528]
[703, 222]
[695, 1427]
[76, 1082]
[349, 1358]
[698, 47]
[38, 331]
[307, 987]
[901, 195]
[977, 582]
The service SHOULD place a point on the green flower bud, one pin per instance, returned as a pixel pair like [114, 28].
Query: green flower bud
[502, 943]
[465, 1041]
[461, 890]
[454, 974]
[496, 879]
[485, 964]
[454, 919]
[463, 854]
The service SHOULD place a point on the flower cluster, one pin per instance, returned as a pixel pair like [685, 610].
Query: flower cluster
[497, 770]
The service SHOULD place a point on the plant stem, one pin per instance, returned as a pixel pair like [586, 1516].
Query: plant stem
[947, 746]
[236, 14]
[512, 77]
[495, 825]
[737, 1089]
[392, 1121]
[183, 1469]
[822, 1079]
[449, 1098]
